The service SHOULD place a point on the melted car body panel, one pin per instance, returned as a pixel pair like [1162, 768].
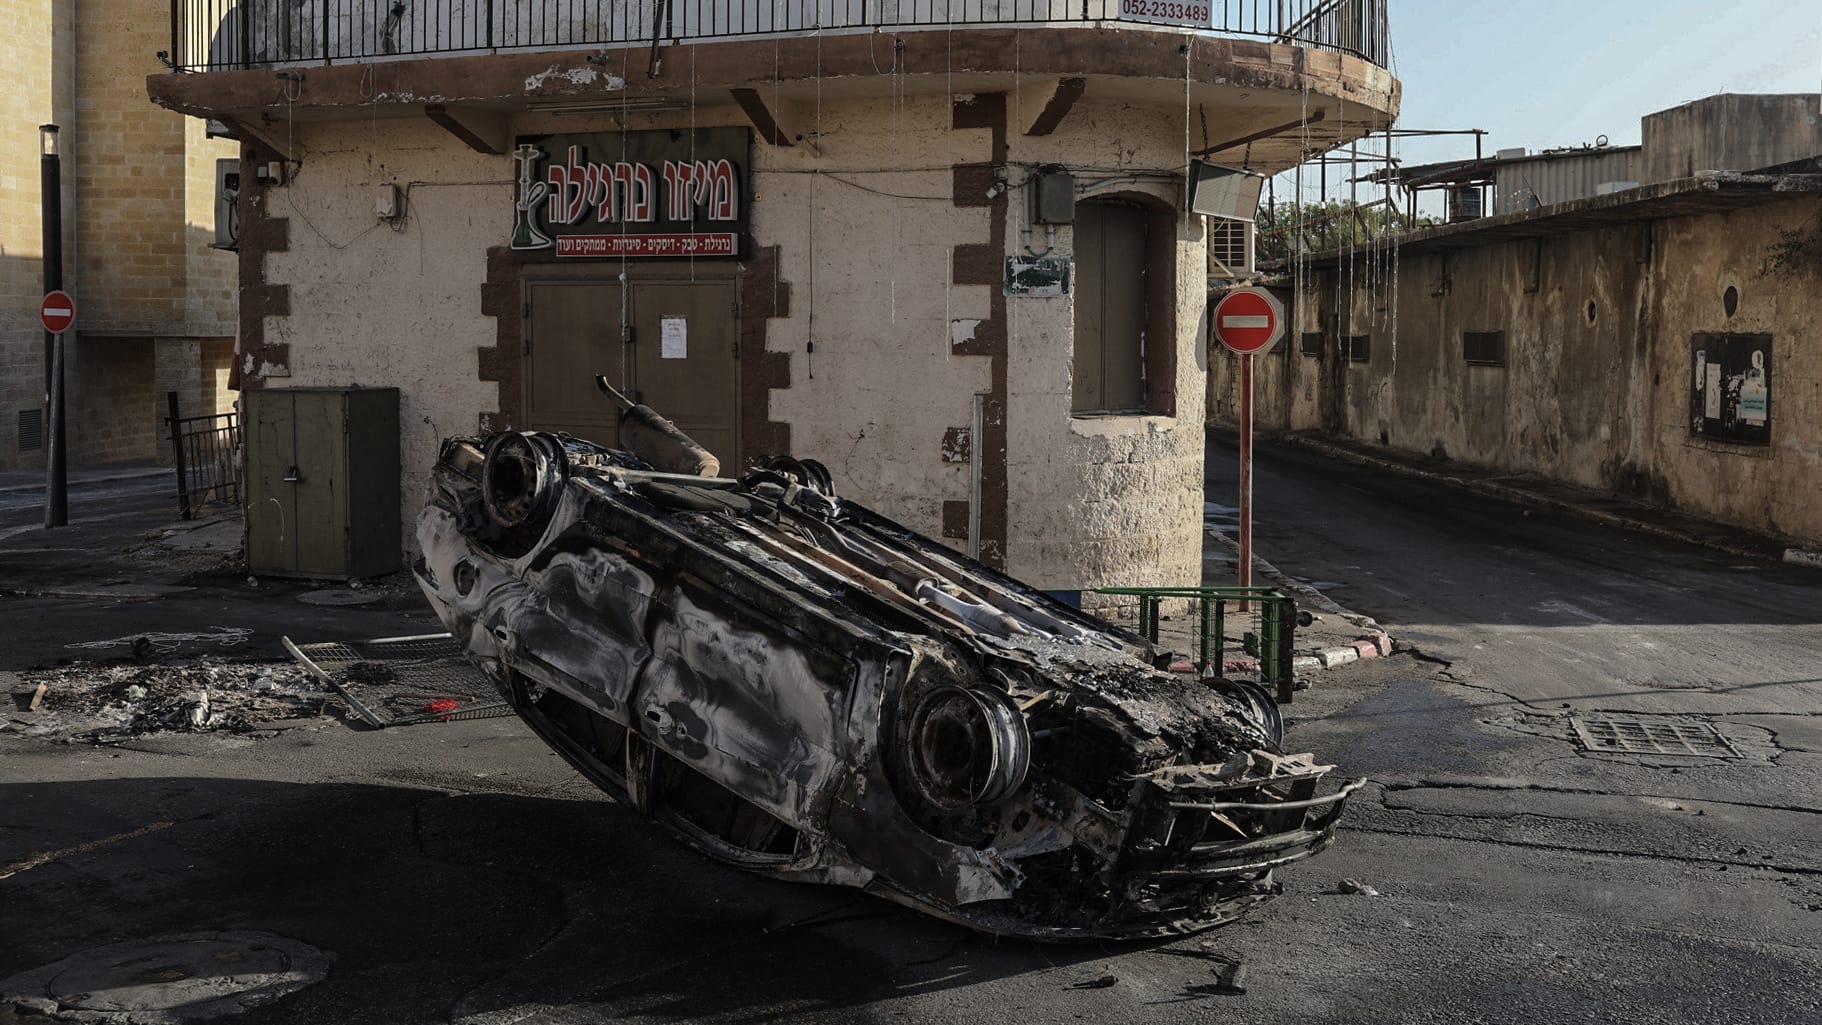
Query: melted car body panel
[794, 684]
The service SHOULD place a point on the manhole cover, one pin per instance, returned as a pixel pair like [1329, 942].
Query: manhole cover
[1615, 735]
[169, 979]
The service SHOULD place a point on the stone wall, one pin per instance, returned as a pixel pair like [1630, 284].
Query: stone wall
[139, 186]
[39, 90]
[111, 416]
[1596, 385]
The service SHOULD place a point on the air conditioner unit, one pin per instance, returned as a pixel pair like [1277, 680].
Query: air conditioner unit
[1230, 248]
[227, 204]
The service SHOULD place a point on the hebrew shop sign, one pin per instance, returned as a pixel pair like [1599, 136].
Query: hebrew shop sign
[634, 194]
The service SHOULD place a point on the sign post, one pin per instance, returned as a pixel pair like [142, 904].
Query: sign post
[58, 313]
[1247, 321]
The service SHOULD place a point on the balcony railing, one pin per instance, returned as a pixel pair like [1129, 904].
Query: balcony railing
[209, 35]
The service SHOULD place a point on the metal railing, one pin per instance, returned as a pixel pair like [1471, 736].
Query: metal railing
[1260, 622]
[206, 450]
[209, 35]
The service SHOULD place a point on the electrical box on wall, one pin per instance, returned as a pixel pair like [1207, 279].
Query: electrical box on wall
[227, 204]
[386, 203]
[1052, 192]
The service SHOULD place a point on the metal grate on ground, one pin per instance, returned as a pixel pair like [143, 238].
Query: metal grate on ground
[1614, 735]
[398, 681]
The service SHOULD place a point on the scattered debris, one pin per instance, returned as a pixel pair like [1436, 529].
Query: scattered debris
[1356, 886]
[1230, 978]
[107, 702]
[796, 685]
[1103, 982]
[38, 693]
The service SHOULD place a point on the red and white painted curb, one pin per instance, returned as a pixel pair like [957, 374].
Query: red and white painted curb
[1374, 645]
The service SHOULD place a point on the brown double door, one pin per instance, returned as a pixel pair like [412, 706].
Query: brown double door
[676, 354]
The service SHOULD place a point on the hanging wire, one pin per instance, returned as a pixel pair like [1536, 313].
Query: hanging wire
[693, 186]
[777, 137]
[815, 155]
[949, 278]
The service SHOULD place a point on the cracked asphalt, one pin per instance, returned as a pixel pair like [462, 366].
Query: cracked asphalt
[459, 872]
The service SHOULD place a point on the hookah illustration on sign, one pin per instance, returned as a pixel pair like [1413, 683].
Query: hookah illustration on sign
[531, 193]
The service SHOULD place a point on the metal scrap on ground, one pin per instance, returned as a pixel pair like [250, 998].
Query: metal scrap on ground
[398, 681]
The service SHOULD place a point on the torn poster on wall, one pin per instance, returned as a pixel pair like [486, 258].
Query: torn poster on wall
[1730, 397]
[1037, 275]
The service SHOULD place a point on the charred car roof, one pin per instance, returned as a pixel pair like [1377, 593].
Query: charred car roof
[795, 684]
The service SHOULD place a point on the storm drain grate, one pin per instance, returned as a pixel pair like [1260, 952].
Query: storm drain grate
[1613, 735]
[398, 681]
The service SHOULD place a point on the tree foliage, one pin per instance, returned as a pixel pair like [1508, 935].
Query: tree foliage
[1333, 224]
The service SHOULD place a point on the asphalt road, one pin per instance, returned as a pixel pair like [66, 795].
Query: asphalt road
[459, 872]
[92, 498]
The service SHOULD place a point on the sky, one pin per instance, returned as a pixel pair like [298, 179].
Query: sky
[1550, 73]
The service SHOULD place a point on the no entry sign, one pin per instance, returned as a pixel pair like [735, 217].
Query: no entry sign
[1249, 320]
[58, 312]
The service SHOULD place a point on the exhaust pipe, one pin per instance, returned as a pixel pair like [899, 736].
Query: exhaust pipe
[658, 441]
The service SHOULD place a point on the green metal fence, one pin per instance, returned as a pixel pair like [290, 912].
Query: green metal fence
[1223, 621]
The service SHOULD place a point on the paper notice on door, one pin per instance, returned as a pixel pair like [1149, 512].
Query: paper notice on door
[1713, 392]
[673, 338]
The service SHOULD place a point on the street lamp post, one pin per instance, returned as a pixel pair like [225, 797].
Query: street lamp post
[56, 484]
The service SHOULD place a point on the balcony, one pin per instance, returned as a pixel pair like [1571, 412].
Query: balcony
[218, 35]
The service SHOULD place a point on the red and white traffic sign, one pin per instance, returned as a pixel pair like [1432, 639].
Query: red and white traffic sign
[58, 312]
[1249, 320]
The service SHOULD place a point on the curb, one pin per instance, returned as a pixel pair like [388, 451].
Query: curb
[1374, 644]
[20, 489]
[1803, 557]
[1520, 496]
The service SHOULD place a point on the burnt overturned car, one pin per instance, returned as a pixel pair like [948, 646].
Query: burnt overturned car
[797, 685]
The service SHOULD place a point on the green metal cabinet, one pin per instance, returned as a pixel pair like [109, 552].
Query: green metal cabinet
[322, 481]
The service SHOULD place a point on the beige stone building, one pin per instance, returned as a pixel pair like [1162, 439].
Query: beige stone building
[948, 253]
[1663, 341]
[155, 300]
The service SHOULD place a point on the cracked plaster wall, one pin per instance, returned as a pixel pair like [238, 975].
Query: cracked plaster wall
[375, 307]
[1092, 501]
[1108, 500]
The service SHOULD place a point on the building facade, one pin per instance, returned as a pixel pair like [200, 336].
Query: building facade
[951, 259]
[155, 299]
[1660, 343]
[1658, 340]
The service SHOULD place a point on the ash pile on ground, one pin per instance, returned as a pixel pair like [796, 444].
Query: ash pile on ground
[117, 700]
